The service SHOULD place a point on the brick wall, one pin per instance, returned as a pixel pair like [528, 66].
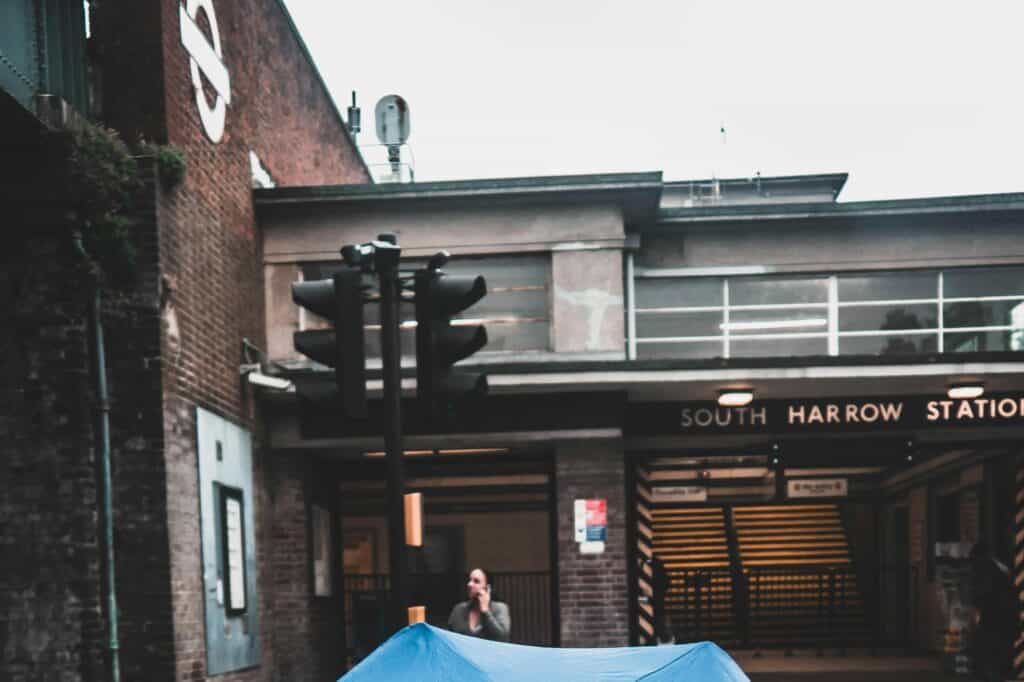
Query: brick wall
[172, 344]
[51, 589]
[132, 349]
[593, 591]
[307, 630]
[50, 603]
[212, 297]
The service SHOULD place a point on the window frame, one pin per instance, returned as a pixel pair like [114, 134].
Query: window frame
[830, 309]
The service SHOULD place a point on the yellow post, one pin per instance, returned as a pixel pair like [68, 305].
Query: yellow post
[417, 614]
[414, 519]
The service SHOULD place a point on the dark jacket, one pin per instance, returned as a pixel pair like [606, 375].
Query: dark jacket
[495, 624]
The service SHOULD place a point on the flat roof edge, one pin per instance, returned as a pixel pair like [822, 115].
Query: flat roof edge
[951, 204]
[1011, 359]
[837, 180]
[524, 186]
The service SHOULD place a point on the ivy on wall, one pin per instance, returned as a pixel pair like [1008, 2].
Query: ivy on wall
[105, 180]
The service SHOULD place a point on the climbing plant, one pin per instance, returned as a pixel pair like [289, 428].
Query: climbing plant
[105, 180]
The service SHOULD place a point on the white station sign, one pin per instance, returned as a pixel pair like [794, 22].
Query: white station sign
[680, 493]
[206, 59]
[817, 487]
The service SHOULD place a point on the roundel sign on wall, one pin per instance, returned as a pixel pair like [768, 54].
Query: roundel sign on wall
[206, 59]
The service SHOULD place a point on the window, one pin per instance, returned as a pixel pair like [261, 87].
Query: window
[323, 552]
[515, 310]
[233, 550]
[961, 310]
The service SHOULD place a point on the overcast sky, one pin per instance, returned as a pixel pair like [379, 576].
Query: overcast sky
[912, 98]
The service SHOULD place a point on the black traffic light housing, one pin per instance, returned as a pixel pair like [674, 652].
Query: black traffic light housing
[439, 345]
[339, 300]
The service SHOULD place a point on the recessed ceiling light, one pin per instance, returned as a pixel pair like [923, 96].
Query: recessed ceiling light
[735, 397]
[965, 391]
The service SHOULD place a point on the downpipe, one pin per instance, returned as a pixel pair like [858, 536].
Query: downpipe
[103, 397]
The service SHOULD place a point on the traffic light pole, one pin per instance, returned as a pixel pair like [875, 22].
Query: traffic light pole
[390, 295]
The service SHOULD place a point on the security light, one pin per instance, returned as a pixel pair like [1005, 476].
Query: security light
[259, 379]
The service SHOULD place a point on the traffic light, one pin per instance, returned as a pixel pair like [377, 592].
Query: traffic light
[339, 300]
[439, 345]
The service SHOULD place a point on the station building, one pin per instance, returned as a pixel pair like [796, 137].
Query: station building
[835, 509]
[249, 534]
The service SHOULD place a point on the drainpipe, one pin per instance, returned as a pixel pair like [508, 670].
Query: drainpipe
[108, 505]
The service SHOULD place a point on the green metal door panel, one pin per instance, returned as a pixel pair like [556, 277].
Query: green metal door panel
[225, 470]
[19, 70]
[62, 50]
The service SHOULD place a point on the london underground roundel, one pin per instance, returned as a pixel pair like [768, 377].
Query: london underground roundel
[206, 60]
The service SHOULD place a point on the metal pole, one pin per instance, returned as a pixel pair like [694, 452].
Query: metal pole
[108, 504]
[390, 294]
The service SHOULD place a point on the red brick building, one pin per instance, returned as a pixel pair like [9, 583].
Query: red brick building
[173, 340]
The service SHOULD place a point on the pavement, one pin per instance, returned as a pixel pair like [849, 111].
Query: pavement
[803, 666]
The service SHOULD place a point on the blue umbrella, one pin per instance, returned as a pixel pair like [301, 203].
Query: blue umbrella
[424, 653]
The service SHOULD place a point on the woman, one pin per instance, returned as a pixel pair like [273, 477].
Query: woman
[478, 616]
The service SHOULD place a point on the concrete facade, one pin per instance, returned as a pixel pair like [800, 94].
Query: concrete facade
[784, 226]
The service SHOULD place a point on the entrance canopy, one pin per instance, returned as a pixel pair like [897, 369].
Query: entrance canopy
[425, 653]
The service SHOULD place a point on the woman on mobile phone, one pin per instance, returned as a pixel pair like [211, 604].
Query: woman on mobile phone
[479, 616]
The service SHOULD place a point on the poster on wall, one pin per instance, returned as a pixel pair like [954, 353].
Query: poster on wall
[590, 522]
[322, 552]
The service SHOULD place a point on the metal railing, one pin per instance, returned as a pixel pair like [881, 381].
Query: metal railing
[699, 605]
[789, 607]
[528, 595]
[809, 606]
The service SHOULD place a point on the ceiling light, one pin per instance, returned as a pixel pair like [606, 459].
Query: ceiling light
[774, 324]
[735, 397]
[965, 391]
[456, 451]
[407, 453]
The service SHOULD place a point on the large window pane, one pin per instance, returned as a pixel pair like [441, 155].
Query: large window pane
[771, 348]
[743, 322]
[975, 282]
[678, 324]
[515, 310]
[883, 286]
[684, 351]
[857, 318]
[517, 336]
[984, 314]
[776, 290]
[678, 293]
[905, 344]
[980, 342]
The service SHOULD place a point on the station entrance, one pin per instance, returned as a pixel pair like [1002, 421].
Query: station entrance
[832, 545]
[489, 508]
